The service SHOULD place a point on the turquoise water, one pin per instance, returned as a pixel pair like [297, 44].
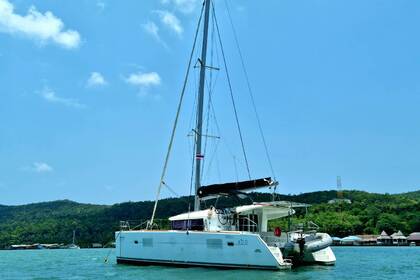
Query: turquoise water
[352, 263]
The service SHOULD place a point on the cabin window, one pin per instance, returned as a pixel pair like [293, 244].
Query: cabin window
[196, 224]
[248, 223]
[136, 242]
[230, 243]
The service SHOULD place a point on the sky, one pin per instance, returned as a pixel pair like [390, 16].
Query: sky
[89, 91]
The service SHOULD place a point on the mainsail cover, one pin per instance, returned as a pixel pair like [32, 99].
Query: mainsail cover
[233, 188]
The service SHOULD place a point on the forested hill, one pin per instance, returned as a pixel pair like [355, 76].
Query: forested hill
[53, 222]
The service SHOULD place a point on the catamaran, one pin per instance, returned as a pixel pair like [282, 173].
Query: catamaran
[235, 237]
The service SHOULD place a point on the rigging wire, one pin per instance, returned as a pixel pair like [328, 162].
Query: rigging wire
[225, 143]
[211, 160]
[175, 193]
[195, 90]
[211, 113]
[250, 91]
[191, 179]
[211, 85]
[219, 176]
[181, 98]
[231, 92]
[192, 143]
[209, 89]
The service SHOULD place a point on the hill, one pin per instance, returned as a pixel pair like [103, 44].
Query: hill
[53, 222]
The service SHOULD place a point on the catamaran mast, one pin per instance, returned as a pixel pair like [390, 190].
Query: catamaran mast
[199, 125]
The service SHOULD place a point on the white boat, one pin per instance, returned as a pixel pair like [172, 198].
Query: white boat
[236, 237]
[210, 237]
[73, 245]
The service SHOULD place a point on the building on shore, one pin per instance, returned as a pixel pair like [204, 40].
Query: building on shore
[368, 239]
[339, 200]
[351, 240]
[414, 238]
[25, 246]
[398, 238]
[336, 241]
[384, 239]
[35, 246]
[97, 245]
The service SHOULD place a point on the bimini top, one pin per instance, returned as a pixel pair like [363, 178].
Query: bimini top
[272, 210]
[211, 191]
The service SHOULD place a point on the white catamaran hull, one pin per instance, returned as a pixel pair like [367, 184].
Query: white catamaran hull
[194, 248]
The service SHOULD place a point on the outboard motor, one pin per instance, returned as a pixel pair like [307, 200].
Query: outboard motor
[301, 242]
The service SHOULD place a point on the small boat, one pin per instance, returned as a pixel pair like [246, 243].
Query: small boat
[73, 244]
[309, 247]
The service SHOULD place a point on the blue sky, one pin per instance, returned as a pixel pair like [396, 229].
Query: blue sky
[89, 91]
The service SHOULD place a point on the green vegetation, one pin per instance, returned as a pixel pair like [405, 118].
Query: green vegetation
[367, 214]
[53, 222]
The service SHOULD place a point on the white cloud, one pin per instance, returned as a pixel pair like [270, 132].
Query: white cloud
[42, 27]
[42, 167]
[50, 96]
[144, 79]
[151, 28]
[184, 6]
[96, 80]
[171, 21]
[39, 167]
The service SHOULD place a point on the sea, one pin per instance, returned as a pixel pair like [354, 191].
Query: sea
[352, 263]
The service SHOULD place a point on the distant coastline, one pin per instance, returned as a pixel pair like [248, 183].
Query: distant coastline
[53, 222]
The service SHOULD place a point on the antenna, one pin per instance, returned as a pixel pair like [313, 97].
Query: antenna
[339, 188]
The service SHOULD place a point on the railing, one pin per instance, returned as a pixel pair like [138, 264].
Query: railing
[307, 230]
[124, 225]
[143, 224]
[271, 240]
[307, 227]
[251, 226]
